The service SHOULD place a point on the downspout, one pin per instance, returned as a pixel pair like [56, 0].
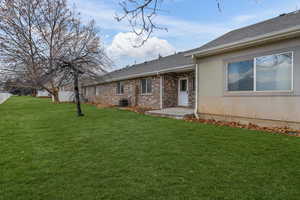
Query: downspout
[196, 89]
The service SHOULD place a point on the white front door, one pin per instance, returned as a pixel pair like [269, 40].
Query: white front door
[183, 96]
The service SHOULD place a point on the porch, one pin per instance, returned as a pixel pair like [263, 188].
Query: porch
[178, 90]
[174, 112]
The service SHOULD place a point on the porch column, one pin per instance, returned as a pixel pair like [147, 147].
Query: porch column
[161, 91]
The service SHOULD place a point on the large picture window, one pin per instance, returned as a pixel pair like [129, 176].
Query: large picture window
[266, 73]
[146, 86]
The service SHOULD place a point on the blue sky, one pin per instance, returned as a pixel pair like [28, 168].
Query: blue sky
[190, 23]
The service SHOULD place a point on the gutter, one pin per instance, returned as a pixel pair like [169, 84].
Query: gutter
[174, 69]
[248, 42]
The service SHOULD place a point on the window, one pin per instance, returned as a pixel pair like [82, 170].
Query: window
[120, 88]
[266, 73]
[240, 76]
[146, 86]
[98, 88]
[183, 85]
[274, 72]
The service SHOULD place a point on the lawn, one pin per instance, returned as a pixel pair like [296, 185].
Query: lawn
[48, 153]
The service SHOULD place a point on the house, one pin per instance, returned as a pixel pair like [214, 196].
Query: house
[65, 93]
[43, 94]
[249, 75]
[160, 83]
[252, 74]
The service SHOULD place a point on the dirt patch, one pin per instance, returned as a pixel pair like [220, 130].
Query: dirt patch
[100, 105]
[250, 126]
[140, 110]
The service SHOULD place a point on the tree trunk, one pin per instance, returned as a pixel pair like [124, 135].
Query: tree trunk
[55, 96]
[77, 97]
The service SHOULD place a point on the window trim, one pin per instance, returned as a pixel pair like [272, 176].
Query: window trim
[141, 82]
[97, 90]
[117, 88]
[254, 77]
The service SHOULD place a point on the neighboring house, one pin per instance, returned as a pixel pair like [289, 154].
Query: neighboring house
[164, 82]
[252, 74]
[65, 94]
[43, 93]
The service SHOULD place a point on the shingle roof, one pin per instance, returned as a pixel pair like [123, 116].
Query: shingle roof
[164, 63]
[279, 23]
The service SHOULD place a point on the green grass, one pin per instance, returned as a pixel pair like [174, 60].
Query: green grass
[48, 153]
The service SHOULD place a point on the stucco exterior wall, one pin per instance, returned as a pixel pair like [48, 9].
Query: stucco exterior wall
[213, 99]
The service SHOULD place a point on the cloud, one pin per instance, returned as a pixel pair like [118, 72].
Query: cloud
[123, 45]
[182, 33]
[104, 14]
[244, 18]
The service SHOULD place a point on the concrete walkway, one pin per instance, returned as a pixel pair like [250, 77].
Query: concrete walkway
[176, 112]
[4, 97]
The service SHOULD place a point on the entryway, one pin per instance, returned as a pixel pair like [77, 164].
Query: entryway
[183, 96]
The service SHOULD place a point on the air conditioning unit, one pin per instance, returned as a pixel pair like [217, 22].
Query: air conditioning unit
[124, 103]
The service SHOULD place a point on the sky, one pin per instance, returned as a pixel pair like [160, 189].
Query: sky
[190, 24]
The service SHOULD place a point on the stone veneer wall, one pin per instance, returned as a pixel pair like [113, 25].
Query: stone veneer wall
[170, 92]
[107, 94]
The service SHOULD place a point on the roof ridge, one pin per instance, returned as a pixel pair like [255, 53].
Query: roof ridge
[147, 62]
[264, 21]
[280, 22]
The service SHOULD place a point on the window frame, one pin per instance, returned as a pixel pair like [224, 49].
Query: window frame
[255, 73]
[120, 91]
[98, 90]
[146, 82]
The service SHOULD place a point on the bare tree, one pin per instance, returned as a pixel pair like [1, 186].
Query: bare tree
[83, 56]
[141, 14]
[18, 48]
[32, 34]
[37, 36]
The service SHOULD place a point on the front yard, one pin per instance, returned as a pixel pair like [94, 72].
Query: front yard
[48, 153]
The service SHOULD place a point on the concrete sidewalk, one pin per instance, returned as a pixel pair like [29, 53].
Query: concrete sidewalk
[4, 97]
[176, 112]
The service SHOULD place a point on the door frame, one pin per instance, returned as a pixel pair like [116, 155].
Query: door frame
[187, 90]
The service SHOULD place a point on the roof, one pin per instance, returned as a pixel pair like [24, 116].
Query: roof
[172, 63]
[282, 22]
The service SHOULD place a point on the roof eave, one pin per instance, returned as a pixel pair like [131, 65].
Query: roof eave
[154, 73]
[249, 42]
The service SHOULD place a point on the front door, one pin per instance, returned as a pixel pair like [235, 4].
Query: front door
[183, 96]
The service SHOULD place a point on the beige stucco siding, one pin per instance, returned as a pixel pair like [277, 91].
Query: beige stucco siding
[214, 99]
